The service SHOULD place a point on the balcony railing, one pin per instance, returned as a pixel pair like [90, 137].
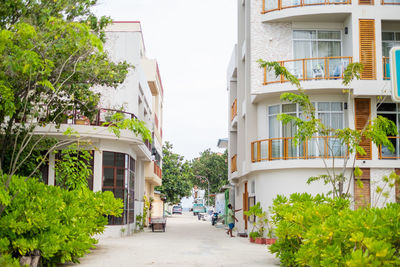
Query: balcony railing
[157, 170]
[284, 148]
[272, 5]
[386, 68]
[234, 163]
[385, 153]
[390, 2]
[234, 109]
[324, 68]
[103, 115]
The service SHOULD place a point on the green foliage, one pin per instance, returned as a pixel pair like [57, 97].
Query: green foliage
[212, 165]
[139, 223]
[176, 173]
[254, 235]
[7, 261]
[51, 55]
[261, 222]
[320, 231]
[73, 168]
[118, 122]
[57, 222]
[146, 209]
[293, 216]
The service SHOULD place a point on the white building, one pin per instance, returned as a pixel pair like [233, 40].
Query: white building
[315, 40]
[127, 166]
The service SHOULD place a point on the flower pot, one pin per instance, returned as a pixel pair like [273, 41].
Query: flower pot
[270, 241]
[252, 240]
[260, 240]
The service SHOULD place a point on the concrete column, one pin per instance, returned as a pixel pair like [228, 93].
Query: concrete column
[52, 174]
[97, 171]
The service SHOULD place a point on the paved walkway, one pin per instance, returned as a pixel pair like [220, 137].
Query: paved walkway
[186, 242]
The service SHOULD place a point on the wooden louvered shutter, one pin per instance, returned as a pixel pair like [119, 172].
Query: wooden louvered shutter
[362, 196]
[367, 48]
[245, 204]
[362, 112]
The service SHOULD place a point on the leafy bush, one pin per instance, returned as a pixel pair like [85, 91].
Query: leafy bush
[57, 222]
[7, 261]
[294, 216]
[319, 231]
[254, 235]
[364, 237]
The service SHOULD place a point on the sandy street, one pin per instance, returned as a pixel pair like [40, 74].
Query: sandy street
[186, 242]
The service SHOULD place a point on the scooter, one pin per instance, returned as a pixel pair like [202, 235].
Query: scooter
[214, 218]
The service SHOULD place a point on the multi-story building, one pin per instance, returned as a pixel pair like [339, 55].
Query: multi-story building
[315, 40]
[121, 164]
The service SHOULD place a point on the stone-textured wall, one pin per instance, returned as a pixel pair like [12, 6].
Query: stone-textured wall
[269, 41]
[376, 180]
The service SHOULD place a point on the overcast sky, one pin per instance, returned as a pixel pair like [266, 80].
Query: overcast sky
[192, 42]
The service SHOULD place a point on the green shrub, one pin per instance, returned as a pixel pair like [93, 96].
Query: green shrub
[7, 261]
[57, 222]
[294, 216]
[319, 231]
[364, 237]
[254, 235]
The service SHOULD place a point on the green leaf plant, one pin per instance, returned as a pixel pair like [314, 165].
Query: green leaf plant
[339, 178]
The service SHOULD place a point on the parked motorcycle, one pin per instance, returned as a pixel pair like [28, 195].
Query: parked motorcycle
[214, 218]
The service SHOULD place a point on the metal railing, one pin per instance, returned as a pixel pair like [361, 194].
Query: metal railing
[385, 153]
[234, 109]
[284, 148]
[386, 68]
[390, 2]
[324, 68]
[103, 115]
[272, 5]
[234, 163]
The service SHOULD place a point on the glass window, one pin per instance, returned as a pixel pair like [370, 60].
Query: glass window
[119, 178]
[390, 111]
[389, 40]
[315, 44]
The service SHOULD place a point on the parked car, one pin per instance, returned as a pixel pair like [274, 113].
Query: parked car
[176, 210]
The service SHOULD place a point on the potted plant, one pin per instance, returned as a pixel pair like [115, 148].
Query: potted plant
[253, 236]
[260, 225]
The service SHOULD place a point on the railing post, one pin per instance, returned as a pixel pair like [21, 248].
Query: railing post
[265, 75]
[279, 4]
[282, 65]
[304, 69]
[258, 151]
[326, 61]
[285, 148]
[269, 149]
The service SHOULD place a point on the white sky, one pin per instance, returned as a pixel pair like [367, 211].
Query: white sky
[192, 42]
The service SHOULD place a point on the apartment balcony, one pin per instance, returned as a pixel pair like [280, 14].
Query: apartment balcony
[284, 149]
[390, 2]
[234, 110]
[305, 10]
[234, 164]
[153, 173]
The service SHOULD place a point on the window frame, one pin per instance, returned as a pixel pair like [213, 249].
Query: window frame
[390, 41]
[316, 40]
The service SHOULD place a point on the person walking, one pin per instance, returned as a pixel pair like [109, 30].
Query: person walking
[230, 219]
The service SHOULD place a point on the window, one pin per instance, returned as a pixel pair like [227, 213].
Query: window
[391, 111]
[119, 178]
[389, 40]
[281, 141]
[317, 44]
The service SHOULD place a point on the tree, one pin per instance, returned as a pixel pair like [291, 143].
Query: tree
[308, 126]
[51, 55]
[212, 165]
[176, 176]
